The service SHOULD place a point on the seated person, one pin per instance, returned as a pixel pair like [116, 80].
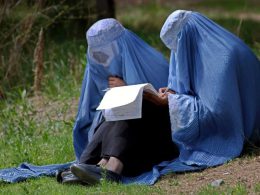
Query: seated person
[116, 57]
[128, 147]
[216, 77]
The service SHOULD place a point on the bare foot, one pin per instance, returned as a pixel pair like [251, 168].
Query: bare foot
[115, 165]
[103, 162]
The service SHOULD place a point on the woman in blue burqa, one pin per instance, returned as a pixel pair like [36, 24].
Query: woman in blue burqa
[216, 80]
[116, 57]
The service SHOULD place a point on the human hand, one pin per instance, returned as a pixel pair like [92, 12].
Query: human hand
[157, 100]
[164, 90]
[114, 81]
[162, 99]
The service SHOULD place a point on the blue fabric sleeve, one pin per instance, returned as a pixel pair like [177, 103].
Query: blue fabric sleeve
[184, 117]
[197, 132]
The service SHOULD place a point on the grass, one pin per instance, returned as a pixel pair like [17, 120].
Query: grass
[257, 188]
[230, 5]
[27, 137]
[239, 189]
[149, 18]
[39, 131]
[50, 186]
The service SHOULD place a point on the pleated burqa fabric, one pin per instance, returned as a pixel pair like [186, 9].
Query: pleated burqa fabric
[217, 80]
[113, 51]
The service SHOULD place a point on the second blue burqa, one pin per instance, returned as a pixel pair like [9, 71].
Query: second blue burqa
[217, 80]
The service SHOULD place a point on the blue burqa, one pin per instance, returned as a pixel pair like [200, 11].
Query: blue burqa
[217, 105]
[217, 80]
[112, 51]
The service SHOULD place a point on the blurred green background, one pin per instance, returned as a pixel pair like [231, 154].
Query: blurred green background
[64, 25]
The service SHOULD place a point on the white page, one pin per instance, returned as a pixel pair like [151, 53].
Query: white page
[149, 88]
[119, 96]
[121, 103]
[129, 111]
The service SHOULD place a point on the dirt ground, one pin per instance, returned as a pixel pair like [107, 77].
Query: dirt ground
[244, 170]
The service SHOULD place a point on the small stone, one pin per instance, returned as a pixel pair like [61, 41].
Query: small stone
[217, 183]
[226, 173]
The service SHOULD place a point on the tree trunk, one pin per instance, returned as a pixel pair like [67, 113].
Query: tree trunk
[105, 9]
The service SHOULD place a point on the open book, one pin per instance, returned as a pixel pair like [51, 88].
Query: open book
[121, 103]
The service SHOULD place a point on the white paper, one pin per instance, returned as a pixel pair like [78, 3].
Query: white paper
[121, 103]
[120, 96]
[129, 111]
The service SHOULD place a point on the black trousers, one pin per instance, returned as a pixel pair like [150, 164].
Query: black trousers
[139, 143]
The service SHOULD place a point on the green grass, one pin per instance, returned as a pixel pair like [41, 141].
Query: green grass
[257, 188]
[230, 5]
[239, 189]
[27, 137]
[147, 20]
[30, 139]
[50, 186]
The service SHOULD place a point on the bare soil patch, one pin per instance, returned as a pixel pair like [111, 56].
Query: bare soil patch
[55, 110]
[244, 170]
